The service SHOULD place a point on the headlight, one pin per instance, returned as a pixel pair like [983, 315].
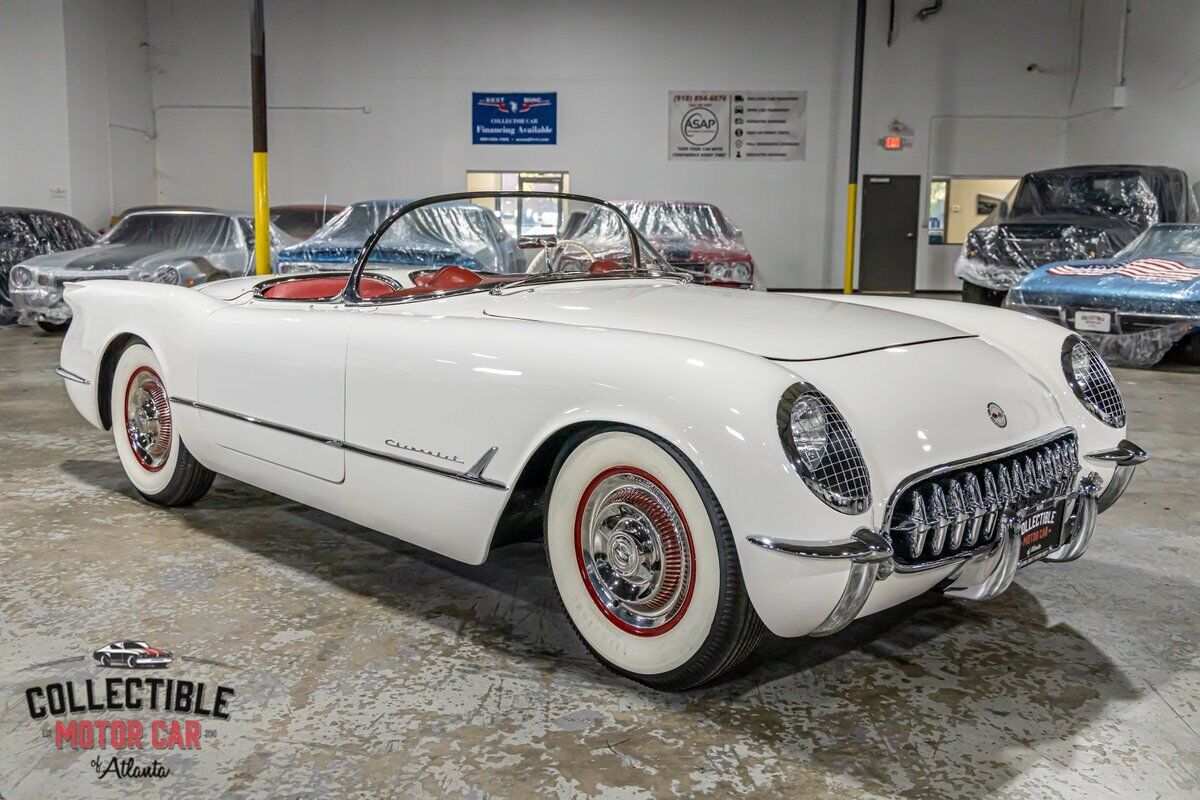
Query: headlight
[165, 274]
[739, 271]
[718, 271]
[21, 277]
[1092, 382]
[823, 450]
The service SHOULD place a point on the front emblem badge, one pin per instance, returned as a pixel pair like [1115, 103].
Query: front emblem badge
[996, 413]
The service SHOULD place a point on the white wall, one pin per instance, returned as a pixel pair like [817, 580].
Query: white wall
[1161, 123]
[34, 166]
[109, 107]
[71, 73]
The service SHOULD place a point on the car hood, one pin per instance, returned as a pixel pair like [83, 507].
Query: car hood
[1098, 284]
[692, 249]
[103, 258]
[777, 326]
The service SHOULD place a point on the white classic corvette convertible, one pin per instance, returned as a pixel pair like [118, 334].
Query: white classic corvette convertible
[703, 463]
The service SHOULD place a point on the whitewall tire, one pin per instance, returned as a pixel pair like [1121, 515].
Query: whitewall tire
[154, 457]
[644, 561]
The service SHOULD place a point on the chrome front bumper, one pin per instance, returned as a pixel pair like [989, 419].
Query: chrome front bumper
[980, 574]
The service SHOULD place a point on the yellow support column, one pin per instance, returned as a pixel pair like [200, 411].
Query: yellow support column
[851, 201]
[262, 217]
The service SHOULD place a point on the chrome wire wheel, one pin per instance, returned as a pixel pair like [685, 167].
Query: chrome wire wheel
[634, 551]
[148, 419]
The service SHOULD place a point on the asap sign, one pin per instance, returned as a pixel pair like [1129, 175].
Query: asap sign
[699, 125]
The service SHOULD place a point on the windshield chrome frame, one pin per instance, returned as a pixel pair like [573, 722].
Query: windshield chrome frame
[350, 293]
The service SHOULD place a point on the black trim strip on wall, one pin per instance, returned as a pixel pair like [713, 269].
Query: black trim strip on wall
[470, 476]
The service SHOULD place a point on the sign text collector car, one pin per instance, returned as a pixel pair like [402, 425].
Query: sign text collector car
[703, 463]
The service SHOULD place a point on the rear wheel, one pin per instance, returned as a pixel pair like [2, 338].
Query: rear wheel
[645, 562]
[154, 457]
[53, 327]
[982, 295]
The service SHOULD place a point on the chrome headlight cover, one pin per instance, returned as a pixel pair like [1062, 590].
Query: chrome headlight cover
[165, 274]
[821, 447]
[1092, 381]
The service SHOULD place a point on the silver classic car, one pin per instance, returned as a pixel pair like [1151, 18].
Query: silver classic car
[180, 247]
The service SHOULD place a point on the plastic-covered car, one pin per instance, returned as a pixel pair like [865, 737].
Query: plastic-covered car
[1068, 214]
[28, 232]
[1132, 307]
[183, 248]
[302, 221]
[451, 234]
[693, 236]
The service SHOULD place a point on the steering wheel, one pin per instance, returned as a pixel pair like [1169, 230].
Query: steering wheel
[544, 258]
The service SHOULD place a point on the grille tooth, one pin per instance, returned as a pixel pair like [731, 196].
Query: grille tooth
[953, 512]
[975, 508]
[916, 526]
[956, 505]
[941, 520]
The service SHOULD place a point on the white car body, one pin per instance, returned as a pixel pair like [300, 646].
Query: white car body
[417, 418]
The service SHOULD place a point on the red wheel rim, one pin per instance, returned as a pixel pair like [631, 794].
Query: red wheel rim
[148, 419]
[634, 551]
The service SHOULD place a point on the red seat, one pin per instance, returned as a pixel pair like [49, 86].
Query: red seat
[603, 266]
[322, 287]
[445, 279]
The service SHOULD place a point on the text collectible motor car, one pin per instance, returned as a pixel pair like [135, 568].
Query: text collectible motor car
[28, 232]
[1068, 213]
[703, 463]
[1133, 307]
[177, 247]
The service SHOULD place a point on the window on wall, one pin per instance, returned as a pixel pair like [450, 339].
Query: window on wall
[959, 203]
[524, 216]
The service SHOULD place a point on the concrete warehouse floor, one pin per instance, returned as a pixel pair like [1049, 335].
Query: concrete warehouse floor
[365, 667]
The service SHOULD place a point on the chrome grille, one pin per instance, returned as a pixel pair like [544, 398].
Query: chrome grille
[953, 512]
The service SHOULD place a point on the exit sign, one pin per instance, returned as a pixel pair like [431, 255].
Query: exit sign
[892, 143]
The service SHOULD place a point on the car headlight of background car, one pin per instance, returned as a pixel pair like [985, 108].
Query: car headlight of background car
[823, 450]
[21, 277]
[164, 274]
[1092, 382]
[732, 272]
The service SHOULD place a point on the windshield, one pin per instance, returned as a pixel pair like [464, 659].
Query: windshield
[175, 231]
[465, 230]
[1164, 241]
[1120, 194]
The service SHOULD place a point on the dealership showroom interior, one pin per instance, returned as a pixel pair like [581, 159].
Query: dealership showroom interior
[617, 399]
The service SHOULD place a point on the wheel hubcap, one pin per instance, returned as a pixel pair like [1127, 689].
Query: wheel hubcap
[148, 419]
[635, 551]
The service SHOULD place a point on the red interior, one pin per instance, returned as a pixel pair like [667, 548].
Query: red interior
[603, 266]
[321, 287]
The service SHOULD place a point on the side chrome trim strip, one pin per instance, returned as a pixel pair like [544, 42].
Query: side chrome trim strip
[474, 475]
[66, 374]
[860, 547]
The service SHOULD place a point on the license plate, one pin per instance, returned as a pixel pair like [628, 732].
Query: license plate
[1041, 532]
[1097, 321]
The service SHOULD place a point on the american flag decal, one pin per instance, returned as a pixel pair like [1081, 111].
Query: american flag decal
[1145, 269]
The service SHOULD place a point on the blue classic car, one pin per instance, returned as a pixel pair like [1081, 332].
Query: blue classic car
[463, 234]
[1134, 306]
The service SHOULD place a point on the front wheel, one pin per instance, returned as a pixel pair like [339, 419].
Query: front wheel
[154, 457]
[645, 562]
[53, 327]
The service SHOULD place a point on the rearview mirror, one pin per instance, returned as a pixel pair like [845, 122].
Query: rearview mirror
[538, 242]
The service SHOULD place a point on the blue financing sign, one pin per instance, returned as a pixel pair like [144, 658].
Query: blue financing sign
[514, 118]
